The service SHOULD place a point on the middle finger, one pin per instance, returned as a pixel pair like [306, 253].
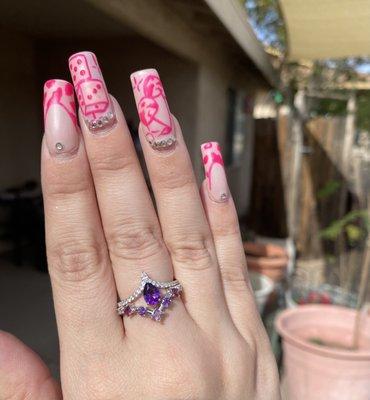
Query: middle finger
[129, 220]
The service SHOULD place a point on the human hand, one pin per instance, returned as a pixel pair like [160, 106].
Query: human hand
[103, 231]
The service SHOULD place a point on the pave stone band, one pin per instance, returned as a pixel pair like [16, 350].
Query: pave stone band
[151, 290]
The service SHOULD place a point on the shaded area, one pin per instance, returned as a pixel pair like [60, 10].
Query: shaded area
[267, 214]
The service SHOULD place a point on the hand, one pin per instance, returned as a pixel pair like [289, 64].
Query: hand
[103, 231]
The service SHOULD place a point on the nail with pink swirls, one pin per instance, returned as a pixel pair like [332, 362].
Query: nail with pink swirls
[93, 98]
[215, 172]
[153, 109]
[61, 132]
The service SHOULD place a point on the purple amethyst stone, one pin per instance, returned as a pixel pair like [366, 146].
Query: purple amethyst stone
[152, 294]
[141, 311]
[166, 302]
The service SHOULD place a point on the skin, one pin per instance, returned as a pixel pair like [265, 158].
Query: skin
[102, 230]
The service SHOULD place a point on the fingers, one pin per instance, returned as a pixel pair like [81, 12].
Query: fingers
[83, 285]
[131, 228]
[130, 223]
[183, 222]
[224, 225]
[23, 375]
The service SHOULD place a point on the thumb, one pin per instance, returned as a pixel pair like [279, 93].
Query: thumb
[23, 375]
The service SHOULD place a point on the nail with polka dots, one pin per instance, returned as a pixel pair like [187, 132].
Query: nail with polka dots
[95, 104]
[217, 186]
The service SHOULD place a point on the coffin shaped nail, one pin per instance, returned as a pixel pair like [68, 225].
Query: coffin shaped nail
[91, 91]
[60, 119]
[215, 172]
[153, 109]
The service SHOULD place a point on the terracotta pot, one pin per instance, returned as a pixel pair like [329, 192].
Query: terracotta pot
[319, 372]
[274, 268]
[264, 250]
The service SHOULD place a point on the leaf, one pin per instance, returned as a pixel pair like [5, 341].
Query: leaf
[354, 233]
[332, 231]
[330, 188]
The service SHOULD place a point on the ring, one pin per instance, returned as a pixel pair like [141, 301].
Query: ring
[151, 290]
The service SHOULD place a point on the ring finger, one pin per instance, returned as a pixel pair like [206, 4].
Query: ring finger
[182, 218]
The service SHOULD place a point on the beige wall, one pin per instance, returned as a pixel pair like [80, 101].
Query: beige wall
[20, 113]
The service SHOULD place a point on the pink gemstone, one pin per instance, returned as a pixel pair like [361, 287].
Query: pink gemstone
[128, 311]
[157, 315]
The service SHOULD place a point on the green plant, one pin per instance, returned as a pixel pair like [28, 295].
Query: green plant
[330, 188]
[354, 224]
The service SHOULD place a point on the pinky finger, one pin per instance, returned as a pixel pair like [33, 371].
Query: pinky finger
[223, 221]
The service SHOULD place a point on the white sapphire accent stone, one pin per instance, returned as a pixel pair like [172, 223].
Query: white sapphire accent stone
[103, 122]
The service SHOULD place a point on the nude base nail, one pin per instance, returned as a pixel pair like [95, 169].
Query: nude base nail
[153, 109]
[60, 120]
[215, 172]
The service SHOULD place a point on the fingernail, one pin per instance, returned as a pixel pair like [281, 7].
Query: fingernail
[153, 109]
[60, 119]
[92, 94]
[215, 172]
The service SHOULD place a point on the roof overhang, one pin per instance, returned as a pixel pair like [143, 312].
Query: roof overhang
[326, 28]
[234, 17]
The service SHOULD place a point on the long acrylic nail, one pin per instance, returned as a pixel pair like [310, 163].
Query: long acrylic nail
[60, 119]
[153, 108]
[215, 172]
[92, 94]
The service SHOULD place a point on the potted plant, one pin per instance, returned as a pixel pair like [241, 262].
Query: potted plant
[327, 347]
[267, 259]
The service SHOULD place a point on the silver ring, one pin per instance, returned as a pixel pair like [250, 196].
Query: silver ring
[156, 302]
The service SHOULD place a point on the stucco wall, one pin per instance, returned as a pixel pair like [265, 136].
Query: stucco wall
[20, 113]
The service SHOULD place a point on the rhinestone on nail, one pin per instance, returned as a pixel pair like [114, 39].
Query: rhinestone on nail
[59, 147]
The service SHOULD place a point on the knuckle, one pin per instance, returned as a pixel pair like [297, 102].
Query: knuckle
[112, 161]
[76, 260]
[62, 188]
[234, 277]
[192, 252]
[134, 243]
[173, 180]
[183, 382]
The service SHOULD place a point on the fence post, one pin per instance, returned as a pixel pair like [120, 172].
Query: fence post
[299, 117]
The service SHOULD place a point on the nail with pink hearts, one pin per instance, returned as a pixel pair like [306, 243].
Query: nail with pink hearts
[215, 172]
[153, 109]
[95, 103]
[61, 132]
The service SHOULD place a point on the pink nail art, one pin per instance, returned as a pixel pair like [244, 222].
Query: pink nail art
[153, 108]
[91, 91]
[215, 171]
[60, 117]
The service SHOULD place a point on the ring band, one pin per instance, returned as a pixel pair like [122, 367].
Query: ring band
[151, 291]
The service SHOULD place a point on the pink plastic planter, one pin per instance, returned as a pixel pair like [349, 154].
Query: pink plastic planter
[315, 372]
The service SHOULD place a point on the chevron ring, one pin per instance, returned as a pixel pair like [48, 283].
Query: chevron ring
[156, 302]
